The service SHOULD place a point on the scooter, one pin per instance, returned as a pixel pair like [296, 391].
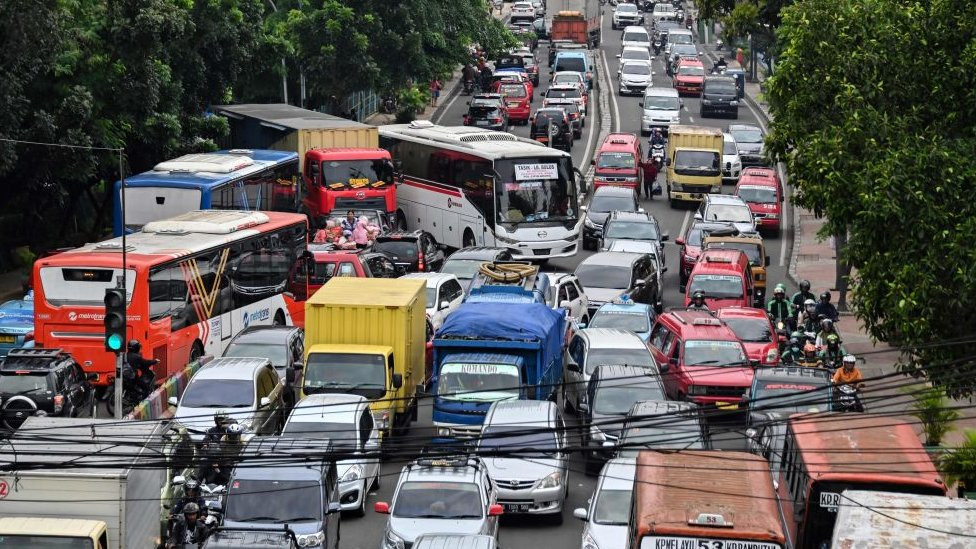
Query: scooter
[657, 153]
[132, 394]
[848, 399]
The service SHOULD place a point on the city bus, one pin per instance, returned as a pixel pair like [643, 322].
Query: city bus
[193, 282]
[826, 454]
[704, 500]
[469, 186]
[236, 179]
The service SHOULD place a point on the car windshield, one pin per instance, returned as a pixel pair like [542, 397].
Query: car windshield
[400, 249]
[757, 194]
[447, 500]
[691, 70]
[612, 507]
[342, 435]
[751, 330]
[630, 357]
[635, 37]
[277, 354]
[605, 276]
[616, 160]
[464, 269]
[619, 399]
[360, 374]
[273, 501]
[356, 173]
[604, 204]
[218, 393]
[684, 49]
[694, 237]
[536, 190]
[478, 382]
[627, 8]
[661, 103]
[512, 438]
[752, 251]
[747, 136]
[696, 161]
[639, 55]
[679, 38]
[23, 383]
[717, 286]
[484, 112]
[563, 94]
[632, 230]
[572, 78]
[636, 68]
[723, 87]
[728, 212]
[714, 353]
[570, 64]
[633, 322]
[794, 397]
[512, 90]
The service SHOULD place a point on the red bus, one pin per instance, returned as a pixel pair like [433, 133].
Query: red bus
[824, 455]
[704, 500]
[193, 282]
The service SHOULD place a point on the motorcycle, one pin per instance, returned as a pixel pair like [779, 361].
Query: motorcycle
[132, 393]
[657, 153]
[658, 44]
[389, 104]
[468, 87]
[848, 399]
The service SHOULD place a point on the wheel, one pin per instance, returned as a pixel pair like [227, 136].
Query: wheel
[556, 519]
[401, 221]
[591, 464]
[279, 319]
[376, 480]
[468, 240]
[361, 510]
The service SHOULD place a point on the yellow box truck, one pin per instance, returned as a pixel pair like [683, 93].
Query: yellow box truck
[694, 162]
[366, 336]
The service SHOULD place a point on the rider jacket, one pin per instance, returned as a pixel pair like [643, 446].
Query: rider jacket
[799, 298]
[827, 310]
[780, 309]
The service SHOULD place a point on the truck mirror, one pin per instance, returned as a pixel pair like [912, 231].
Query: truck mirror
[766, 261]
[665, 237]
[667, 161]
[397, 381]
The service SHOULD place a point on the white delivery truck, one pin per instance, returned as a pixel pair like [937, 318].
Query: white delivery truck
[79, 468]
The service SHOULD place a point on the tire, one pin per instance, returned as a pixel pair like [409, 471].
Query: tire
[401, 221]
[279, 319]
[361, 510]
[468, 239]
[591, 464]
[556, 519]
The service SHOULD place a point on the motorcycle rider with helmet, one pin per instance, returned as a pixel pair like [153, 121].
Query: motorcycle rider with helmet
[800, 297]
[826, 328]
[190, 528]
[698, 301]
[657, 138]
[850, 375]
[793, 353]
[807, 319]
[778, 308]
[826, 309]
[810, 358]
[217, 432]
[139, 379]
[221, 460]
[833, 351]
[191, 494]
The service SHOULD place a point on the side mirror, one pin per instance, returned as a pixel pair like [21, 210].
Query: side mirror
[580, 325]
[664, 367]
[574, 367]
[641, 103]
[667, 161]
[618, 57]
[565, 304]
[265, 401]
[592, 162]
[397, 381]
[745, 402]
[495, 510]
[583, 208]
[581, 513]
[665, 237]
[698, 216]
[178, 480]
[640, 210]
[290, 375]
[382, 507]
[754, 363]
[673, 361]
[680, 241]
[173, 401]
[444, 305]
[766, 261]
[583, 407]
[664, 269]
[334, 507]
[748, 291]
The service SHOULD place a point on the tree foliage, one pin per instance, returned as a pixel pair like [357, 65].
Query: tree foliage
[878, 139]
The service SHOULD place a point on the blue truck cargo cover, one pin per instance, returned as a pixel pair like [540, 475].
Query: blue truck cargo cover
[507, 321]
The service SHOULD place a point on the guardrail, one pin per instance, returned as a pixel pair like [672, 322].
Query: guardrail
[156, 405]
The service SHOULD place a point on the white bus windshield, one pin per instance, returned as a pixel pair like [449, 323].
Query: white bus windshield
[536, 190]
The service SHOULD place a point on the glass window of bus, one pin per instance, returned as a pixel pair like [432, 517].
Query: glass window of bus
[261, 269]
[535, 190]
[169, 297]
[472, 175]
[82, 285]
[323, 273]
[285, 194]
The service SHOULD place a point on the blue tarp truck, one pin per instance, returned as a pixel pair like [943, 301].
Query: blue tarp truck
[486, 352]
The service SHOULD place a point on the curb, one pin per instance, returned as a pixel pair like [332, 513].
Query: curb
[606, 120]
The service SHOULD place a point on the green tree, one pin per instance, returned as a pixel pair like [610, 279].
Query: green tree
[742, 21]
[878, 140]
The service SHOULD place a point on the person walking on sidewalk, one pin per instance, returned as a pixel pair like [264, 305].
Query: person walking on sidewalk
[435, 90]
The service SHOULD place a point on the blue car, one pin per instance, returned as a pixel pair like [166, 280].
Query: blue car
[16, 323]
[625, 314]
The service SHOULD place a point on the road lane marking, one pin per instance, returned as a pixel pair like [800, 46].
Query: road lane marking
[613, 94]
[684, 224]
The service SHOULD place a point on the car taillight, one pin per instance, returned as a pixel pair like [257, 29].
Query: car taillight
[496, 120]
[420, 257]
[467, 120]
[29, 336]
[58, 403]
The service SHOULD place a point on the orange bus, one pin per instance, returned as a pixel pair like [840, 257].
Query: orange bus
[824, 455]
[193, 282]
[704, 500]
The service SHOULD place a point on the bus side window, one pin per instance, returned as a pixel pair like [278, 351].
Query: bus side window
[168, 296]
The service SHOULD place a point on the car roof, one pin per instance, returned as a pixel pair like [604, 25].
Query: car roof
[616, 259]
[618, 474]
[35, 360]
[613, 190]
[265, 334]
[643, 217]
[612, 338]
[570, 53]
[551, 110]
[618, 374]
[690, 61]
[634, 246]
[724, 199]
[577, 74]
[721, 259]
[649, 407]
[793, 373]
[727, 137]
[635, 28]
[478, 252]
[621, 140]
[454, 541]
[448, 472]
[664, 92]
[714, 77]
[629, 307]
[761, 173]
[433, 279]
[564, 87]
[734, 127]
[328, 407]
[400, 235]
[643, 49]
[230, 368]
[559, 277]
[741, 312]
[697, 324]
[527, 413]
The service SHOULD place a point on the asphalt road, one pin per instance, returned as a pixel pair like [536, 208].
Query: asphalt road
[516, 532]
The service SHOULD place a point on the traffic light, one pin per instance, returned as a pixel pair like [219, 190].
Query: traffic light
[114, 319]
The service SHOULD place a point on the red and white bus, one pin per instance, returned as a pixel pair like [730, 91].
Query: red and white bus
[193, 282]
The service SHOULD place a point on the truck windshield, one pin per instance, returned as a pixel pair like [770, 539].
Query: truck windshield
[714, 353]
[574, 64]
[697, 163]
[717, 286]
[358, 374]
[536, 190]
[356, 173]
[478, 382]
[45, 542]
[274, 501]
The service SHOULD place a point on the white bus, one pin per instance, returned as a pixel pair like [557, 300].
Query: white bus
[472, 187]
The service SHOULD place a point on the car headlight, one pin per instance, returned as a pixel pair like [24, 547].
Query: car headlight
[393, 541]
[354, 473]
[706, 101]
[629, 179]
[382, 419]
[734, 103]
[589, 542]
[696, 389]
[443, 431]
[597, 434]
[771, 356]
[311, 540]
[506, 240]
[552, 481]
[772, 216]
[676, 119]
[590, 224]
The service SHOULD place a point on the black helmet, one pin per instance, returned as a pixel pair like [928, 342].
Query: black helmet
[191, 508]
[134, 346]
[827, 325]
[698, 294]
[825, 297]
[804, 285]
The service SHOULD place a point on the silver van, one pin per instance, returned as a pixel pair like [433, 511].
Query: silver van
[660, 108]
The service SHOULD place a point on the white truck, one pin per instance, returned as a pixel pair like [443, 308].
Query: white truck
[79, 468]
[884, 520]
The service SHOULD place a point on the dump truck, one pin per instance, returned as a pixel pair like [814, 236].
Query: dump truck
[694, 162]
[367, 336]
[574, 20]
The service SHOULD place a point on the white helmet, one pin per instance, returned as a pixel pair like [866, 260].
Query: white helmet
[849, 359]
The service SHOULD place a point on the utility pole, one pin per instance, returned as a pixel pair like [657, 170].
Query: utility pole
[284, 68]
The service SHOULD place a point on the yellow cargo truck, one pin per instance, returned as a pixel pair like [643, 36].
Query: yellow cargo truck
[366, 336]
[694, 162]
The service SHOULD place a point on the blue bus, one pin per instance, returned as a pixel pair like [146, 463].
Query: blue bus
[235, 179]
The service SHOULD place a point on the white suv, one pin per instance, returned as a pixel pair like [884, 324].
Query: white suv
[731, 163]
[626, 14]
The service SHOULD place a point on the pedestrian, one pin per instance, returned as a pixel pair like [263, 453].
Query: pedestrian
[650, 177]
[435, 90]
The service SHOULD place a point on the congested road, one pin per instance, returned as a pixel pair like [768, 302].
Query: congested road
[517, 532]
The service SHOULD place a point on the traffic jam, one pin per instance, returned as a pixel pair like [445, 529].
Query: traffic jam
[556, 313]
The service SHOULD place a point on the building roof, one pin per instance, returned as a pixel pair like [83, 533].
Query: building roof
[286, 116]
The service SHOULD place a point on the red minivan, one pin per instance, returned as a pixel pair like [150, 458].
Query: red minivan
[516, 97]
[762, 190]
[725, 276]
[754, 330]
[618, 162]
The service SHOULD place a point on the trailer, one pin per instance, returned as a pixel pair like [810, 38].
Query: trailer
[574, 20]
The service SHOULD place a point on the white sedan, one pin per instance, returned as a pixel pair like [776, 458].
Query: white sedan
[444, 295]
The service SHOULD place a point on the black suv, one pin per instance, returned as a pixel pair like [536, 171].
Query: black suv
[415, 252]
[487, 110]
[719, 96]
[43, 380]
[562, 134]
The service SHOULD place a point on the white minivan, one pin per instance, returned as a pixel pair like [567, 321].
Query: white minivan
[636, 36]
[664, 12]
[660, 108]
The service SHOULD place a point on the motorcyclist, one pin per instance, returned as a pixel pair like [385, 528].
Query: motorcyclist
[793, 353]
[826, 329]
[720, 65]
[849, 374]
[698, 301]
[799, 298]
[657, 138]
[190, 528]
[826, 309]
[833, 351]
[141, 376]
[810, 358]
[469, 75]
[191, 494]
[650, 175]
[807, 320]
[222, 459]
[778, 308]
[217, 432]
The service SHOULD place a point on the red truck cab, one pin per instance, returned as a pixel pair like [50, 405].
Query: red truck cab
[701, 360]
[762, 190]
[348, 179]
[725, 276]
[618, 162]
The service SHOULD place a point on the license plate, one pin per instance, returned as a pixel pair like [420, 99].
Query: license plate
[517, 507]
[8, 339]
[360, 182]
[481, 123]
[513, 104]
[727, 405]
